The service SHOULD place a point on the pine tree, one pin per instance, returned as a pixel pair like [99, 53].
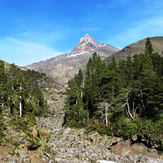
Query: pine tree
[137, 65]
[74, 101]
[2, 82]
[113, 65]
[9, 94]
[147, 80]
[39, 97]
[2, 72]
[12, 75]
[114, 81]
[72, 95]
[149, 46]
[92, 84]
[147, 62]
[157, 62]
[89, 68]
[129, 70]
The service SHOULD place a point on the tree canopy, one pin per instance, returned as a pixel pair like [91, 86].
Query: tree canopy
[119, 98]
[20, 91]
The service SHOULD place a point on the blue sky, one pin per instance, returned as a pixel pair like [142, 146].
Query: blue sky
[35, 30]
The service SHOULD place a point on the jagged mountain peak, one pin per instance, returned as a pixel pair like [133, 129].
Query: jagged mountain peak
[86, 35]
[86, 38]
[85, 44]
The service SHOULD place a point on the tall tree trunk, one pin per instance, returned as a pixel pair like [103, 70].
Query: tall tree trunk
[2, 100]
[128, 106]
[20, 107]
[9, 104]
[20, 104]
[106, 114]
[141, 93]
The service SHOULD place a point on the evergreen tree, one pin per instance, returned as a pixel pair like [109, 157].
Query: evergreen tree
[149, 46]
[74, 101]
[157, 63]
[129, 70]
[2, 83]
[122, 99]
[72, 95]
[2, 75]
[92, 94]
[89, 68]
[9, 94]
[147, 62]
[114, 81]
[137, 65]
[12, 75]
[113, 65]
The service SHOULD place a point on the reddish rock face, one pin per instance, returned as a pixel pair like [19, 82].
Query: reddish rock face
[85, 44]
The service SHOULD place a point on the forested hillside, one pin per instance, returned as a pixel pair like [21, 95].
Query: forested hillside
[121, 99]
[21, 97]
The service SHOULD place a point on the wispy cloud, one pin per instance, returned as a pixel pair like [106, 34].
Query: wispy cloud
[34, 31]
[27, 33]
[137, 31]
[41, 37]
[24, 52]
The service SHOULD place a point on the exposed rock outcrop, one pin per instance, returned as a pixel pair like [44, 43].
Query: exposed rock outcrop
[73, 145]
[77, 146]
[86, 44]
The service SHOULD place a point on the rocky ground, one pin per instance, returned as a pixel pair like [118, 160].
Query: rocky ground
[74, 145]
[68, 145]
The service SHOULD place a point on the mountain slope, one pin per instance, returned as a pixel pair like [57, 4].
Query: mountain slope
[7, 65]
[137, 48]
[63, 67]
[85, 44]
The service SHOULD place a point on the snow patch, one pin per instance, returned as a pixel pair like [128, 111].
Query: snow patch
[76, 54]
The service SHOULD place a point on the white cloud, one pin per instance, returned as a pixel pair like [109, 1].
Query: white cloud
[23, 52]
[137, 31]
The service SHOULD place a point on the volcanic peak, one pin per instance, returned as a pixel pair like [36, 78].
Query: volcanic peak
[86, 38]
[85, 44]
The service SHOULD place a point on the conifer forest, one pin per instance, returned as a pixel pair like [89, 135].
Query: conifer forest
[21, 97]
[122, 98]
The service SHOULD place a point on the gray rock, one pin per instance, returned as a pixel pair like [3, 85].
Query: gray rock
[24, 156]
[66, 131]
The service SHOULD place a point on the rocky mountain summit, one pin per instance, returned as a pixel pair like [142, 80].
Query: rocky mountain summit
[63, 67]
[86, 44]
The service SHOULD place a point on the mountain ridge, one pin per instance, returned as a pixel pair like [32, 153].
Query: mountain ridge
[85, 44]
[63, 67]
[137, 48]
